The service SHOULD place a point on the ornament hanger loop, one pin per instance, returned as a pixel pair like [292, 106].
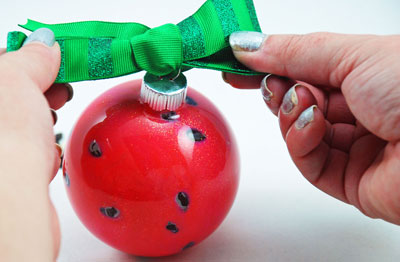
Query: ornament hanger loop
[172, 78]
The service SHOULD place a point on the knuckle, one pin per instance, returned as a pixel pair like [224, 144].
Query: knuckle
[292, 46]
[298, 44]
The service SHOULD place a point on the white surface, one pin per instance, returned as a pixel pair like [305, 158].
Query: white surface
[278, 215]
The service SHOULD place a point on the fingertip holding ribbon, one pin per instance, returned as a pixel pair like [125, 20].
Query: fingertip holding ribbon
[246, 41]
[41, 35]
[99, 50]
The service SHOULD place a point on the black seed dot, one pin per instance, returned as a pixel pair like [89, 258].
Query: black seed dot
[183, 200]
[197, 135]
[172, 227]
[170, 116]
[67, 181]
[94, 149]
[189, 245]
[190, 101]
[110, 212]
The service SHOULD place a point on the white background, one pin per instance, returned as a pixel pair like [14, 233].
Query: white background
[278, 215]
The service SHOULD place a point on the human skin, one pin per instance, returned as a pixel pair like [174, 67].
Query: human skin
[29, 159]
[348, 148]
[349, 144]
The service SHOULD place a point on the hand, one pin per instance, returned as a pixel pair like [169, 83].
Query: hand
[29, 159]
[340, 119]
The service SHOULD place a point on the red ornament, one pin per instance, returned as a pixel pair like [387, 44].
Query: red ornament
[151, 183]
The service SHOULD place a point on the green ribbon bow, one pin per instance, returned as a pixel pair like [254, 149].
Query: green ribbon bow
[98, 50]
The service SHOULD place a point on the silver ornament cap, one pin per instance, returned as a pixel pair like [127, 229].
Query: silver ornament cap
[163, 93]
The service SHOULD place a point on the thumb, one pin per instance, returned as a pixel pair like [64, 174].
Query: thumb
[317, 58]
[35, 64]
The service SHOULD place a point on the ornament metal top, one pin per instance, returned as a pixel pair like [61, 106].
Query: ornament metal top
[163, 93]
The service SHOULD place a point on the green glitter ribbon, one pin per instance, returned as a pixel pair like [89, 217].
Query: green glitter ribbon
[98, 50]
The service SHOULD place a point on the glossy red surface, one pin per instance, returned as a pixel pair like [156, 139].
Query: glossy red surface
[151, 183]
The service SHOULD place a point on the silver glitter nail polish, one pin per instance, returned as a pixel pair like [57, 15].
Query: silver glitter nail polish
[266, 93]
[246, 41]
[42, 35]
[306, 117]
[289, 100]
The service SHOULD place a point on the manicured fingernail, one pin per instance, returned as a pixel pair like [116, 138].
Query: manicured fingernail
[306, 117]
[54, 115]
[289, 100]
[41, 35]
[59, 150]
[224, 77]
[266, 93]
[58, 137]
[246, 40]
[70, 91]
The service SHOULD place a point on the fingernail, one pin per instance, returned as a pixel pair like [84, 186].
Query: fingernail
[59, 150]
[70, 91]
[41, 35]
[266, 93]
[306, 117]
[224, 77]
[246, 40]
[289, 100]
[54, 115]
[58, 137]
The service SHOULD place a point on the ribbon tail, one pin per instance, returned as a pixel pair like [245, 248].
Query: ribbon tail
[90, 50]
[15, 40]
[90, 29]
[206, 34]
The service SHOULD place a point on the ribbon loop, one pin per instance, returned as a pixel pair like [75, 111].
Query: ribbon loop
[159, 50]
